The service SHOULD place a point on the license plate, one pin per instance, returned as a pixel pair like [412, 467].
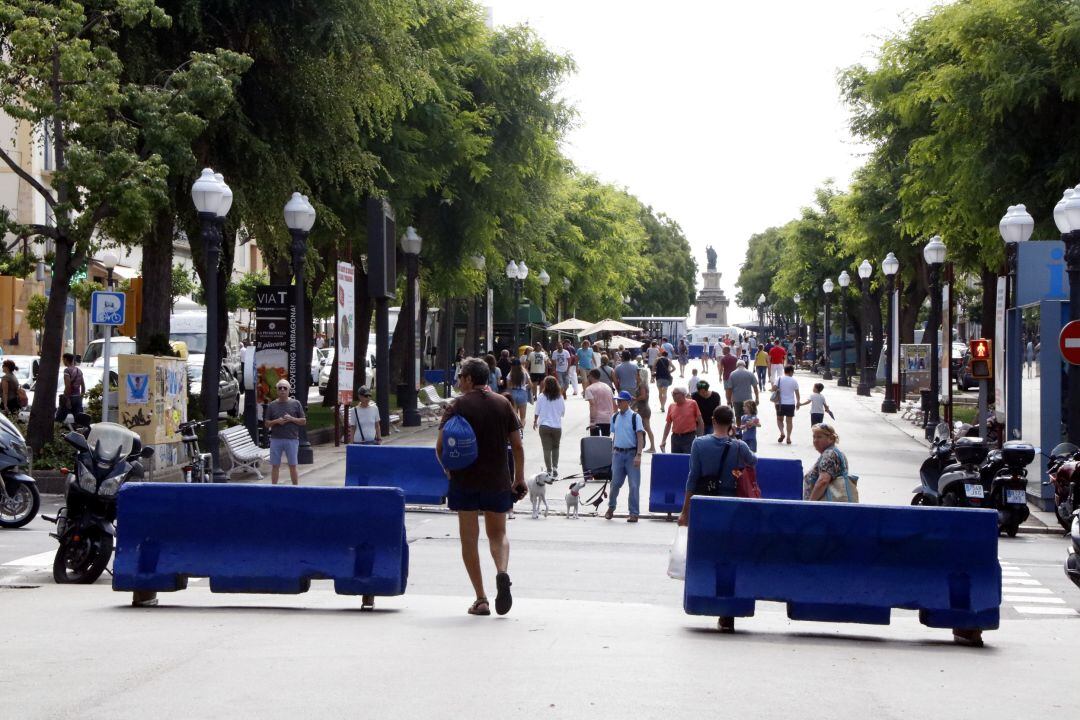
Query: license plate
[1016, 496]
[973, 491]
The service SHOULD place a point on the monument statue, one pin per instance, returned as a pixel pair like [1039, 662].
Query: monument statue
[711, 254]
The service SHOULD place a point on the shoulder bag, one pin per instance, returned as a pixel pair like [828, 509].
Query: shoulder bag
[717, 484]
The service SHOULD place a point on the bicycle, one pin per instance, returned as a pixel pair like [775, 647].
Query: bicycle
[199, 465]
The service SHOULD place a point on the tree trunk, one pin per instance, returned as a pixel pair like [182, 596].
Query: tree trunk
[877, 325]
[153, 331]
[471, 328]
[40, 428]
[398, 360]
[364, 307]
[912, 296]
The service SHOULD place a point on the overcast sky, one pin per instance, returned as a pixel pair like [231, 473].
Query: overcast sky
[725, 117]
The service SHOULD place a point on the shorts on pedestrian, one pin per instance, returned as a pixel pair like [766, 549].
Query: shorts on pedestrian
[787, 411]
[464, 500]
[641, 407]
[286, 446]
[520, 395]
[663, 382]
[536, 377]
[816, 418]
[727, 384]
[564, 379]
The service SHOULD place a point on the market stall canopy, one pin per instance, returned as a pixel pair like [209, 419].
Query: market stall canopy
[617, 340]
[570, 325]
[609, 326]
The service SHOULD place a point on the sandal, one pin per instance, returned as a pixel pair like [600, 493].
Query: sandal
[480, 607]
[503, 599]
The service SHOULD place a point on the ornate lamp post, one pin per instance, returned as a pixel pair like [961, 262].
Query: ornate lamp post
[411, 245]
[890, 265]
[517, 274]
[1070, 235]
[299, 218]
[865, 381]
[761, 313]
[544, 279]
[845, 280]
[208, 193]
[798, 327]
[934, 254]
[827, 288]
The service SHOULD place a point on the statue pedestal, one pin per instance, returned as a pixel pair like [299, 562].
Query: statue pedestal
[711, 302]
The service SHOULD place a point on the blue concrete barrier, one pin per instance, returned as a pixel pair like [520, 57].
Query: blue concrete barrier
[778, 479]
[839, 562]
[434, 377]
[260, 539]
[415, 470]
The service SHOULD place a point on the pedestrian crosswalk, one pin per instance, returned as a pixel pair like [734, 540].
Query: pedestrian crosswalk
[1028, 596]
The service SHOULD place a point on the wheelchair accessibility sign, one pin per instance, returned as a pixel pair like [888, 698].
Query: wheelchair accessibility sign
[107, 308]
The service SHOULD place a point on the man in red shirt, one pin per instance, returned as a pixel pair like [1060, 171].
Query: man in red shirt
[777, 357]
[684, 418]
[727, 366]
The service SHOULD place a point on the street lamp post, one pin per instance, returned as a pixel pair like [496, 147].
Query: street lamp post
[934, 254]
[544, 279]
[798, 327]
[761, 314]
[212, 199]
[299, 218]
[865, 382]
[517, 274]
[479, 262]
[845, 280]
[566, 296]
[109, 260]
[890, 266]
[1015, 227]
[1070, 235]
[827, 288]
[411, 245]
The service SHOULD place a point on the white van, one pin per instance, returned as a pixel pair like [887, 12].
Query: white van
[697, 335]
[190, 329]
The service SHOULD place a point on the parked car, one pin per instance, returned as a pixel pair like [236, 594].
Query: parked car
[91, 378]
[228, 387]
[94, 355]
[318, 359]
[324, 373]
[961, 367]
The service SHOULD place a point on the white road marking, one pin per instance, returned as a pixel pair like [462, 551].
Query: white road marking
[1026, 590]
[1034, 599]
[1019, 581]
[44, 559]
[1046, 610]
[1014, 573]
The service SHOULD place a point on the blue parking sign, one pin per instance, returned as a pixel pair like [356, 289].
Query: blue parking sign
[107, 308]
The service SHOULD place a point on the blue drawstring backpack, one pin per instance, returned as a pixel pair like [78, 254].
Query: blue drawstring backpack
[459, 444]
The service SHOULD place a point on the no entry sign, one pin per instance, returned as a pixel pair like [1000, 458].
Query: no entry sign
[1070, 342]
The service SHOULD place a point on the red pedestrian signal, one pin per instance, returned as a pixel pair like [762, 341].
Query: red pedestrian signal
[982, 359]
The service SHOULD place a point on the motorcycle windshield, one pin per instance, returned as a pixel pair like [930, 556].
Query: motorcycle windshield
[1064, 450]
[110, 441]
[11, 440]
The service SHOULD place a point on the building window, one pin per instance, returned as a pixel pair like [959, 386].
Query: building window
[710, 316]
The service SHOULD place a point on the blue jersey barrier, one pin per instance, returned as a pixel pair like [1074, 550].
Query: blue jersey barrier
[839, 562]
[415, 470]
[434, 377]
[260, 539]
[778, 479]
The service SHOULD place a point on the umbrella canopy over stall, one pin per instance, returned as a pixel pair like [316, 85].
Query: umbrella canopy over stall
[570, 325]
[608, 326]
[617, 340]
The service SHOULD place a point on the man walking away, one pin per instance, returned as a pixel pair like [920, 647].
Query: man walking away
[537, 361]
[744, 386]
[626, 375]
[777, 357]
[485, 487]
[684, 418]
[601, 405]
[788, 387]
[727, 366]
[284, 416]
[628, 441]
[561, 358]
[74, 387]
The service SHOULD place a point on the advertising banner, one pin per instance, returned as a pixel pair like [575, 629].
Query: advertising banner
[346, 331]
[999, 351]
[915, 362]
[275, 339]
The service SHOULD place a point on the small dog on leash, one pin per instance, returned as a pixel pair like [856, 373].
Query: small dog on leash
[538, 492]
[573, 499]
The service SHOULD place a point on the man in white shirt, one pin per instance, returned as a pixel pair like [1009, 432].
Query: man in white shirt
[537, 361]
[788, 387]
[561, 358]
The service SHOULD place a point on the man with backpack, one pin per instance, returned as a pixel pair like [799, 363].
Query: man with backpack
[628, 442]
[74, 386]
[471, 447]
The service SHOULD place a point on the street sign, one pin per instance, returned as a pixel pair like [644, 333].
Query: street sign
[107, 308]
[982, 366]
[1069, 342]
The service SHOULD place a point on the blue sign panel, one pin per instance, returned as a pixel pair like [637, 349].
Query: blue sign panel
[1040, 272]
[107, 308]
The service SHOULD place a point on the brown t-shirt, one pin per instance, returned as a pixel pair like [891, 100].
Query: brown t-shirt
[492, 419]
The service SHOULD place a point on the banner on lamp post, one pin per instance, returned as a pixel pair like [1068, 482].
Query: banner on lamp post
[894, 344]
[999, 351]
[346, 331]
[275, 339]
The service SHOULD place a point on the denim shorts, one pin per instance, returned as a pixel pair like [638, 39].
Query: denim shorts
[467, 500]
[286, 446]
[520, 395]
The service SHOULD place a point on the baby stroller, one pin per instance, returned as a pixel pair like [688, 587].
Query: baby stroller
[596, 465]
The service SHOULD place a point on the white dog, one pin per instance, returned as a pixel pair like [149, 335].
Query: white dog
[573, 499]
[538, 492]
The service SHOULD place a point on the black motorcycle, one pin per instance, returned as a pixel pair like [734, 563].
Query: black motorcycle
[950, 475]
[106, 457]
[1004, 475]
[19, 497]
[1072, 563]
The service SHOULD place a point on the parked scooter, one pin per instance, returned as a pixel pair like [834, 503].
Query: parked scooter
[19, 497]
[105, 459]
[1004, 476]
[950, 476]
[1062, 473]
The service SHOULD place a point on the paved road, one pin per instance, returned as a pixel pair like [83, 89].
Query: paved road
[597, 628]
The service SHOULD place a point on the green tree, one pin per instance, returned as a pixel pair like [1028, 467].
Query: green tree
[669, 286]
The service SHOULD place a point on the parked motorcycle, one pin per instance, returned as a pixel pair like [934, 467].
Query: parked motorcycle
[105, 458]
[1062, 473]
[1004, 476]
[19, 497]
[950, 475]
[1072, 563]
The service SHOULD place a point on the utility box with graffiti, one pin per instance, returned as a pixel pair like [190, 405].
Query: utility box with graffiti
[153, 402]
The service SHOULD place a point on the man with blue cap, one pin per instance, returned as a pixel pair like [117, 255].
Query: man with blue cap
[628, 441]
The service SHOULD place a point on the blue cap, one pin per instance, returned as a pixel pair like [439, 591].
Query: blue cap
[623, 395]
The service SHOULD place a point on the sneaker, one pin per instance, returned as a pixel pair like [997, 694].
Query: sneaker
[632, 518]
[610, 513]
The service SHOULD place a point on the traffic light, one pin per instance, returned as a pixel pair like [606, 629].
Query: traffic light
[982, 359]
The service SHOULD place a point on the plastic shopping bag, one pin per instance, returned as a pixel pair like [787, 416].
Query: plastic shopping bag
[676, 568]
